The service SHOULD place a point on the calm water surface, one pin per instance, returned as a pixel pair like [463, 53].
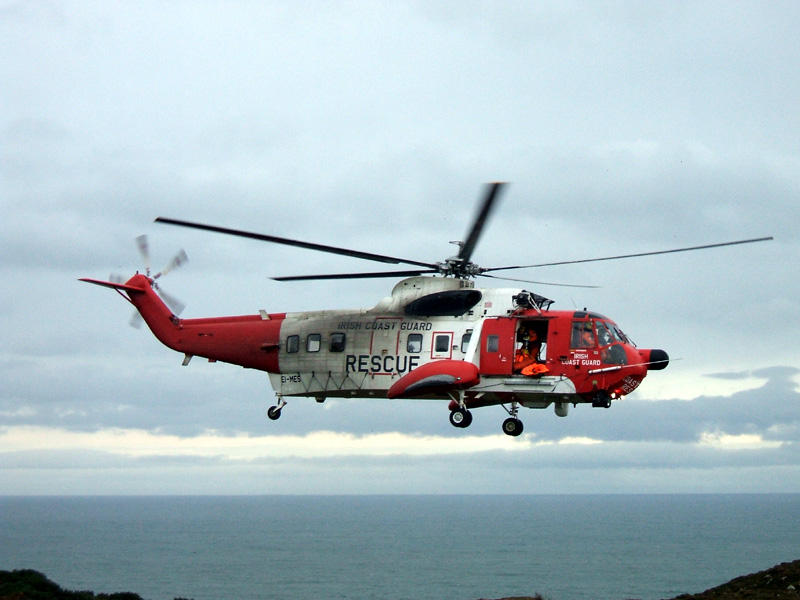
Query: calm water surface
[399, 547]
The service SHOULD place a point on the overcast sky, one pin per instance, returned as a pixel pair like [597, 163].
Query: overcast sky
[623, 127]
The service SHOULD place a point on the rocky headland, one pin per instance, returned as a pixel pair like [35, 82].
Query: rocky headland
[780, 582]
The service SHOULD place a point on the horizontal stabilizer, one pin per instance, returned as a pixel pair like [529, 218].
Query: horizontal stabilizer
[113, 285]
[437, 377]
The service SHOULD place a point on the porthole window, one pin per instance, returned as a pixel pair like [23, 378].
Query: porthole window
[313, 342]
[442, 343]
[337, 342]
[414, 343]
[465, 341]
[292, 344]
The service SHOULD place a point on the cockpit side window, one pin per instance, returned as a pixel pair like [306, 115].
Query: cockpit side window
[583, 335]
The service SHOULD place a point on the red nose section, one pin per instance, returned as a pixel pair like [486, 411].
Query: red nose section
[657, 360]
[437, 377]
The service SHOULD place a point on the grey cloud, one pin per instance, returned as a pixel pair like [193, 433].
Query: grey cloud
[756, 411]
[622, 130]
[189, 403]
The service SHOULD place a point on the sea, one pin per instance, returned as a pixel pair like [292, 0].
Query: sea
[573, 547]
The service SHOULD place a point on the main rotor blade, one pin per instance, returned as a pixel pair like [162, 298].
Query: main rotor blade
[570, 285]
[297, 243]
[588, 260]
[492, 191]
[355, 275]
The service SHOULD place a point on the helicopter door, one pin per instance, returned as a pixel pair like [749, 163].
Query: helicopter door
[497, 346]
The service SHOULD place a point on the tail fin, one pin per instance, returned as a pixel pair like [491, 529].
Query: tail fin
[139, 289]
[113, 285]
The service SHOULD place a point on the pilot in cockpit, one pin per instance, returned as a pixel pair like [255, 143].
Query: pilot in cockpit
[587, 336]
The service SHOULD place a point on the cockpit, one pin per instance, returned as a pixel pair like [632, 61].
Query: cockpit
[593, 331]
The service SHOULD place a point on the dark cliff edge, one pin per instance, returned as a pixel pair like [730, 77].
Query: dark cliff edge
[27, 584]
[780, 582]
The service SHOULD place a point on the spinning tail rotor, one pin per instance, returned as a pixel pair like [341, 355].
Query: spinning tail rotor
[175, 305]
[144, 249]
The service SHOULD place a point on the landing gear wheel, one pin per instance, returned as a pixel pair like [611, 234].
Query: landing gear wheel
[512, 427]
[274, 413]
[460, 417]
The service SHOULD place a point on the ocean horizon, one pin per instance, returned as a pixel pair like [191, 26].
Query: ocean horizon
[403, 547]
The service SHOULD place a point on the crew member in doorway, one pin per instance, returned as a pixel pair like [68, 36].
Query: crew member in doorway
[526, 358]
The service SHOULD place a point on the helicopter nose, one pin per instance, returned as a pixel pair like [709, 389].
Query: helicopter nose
[658, 360]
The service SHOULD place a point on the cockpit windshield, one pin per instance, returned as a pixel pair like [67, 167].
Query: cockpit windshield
[607, 334]
[618, 334]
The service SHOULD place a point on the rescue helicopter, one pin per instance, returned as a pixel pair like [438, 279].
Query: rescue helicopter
[435, 337]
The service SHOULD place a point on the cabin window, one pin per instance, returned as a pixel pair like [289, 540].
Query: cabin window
[442, 346]
[292, 344]
[414, 343]
[337, 342]
[313, 342]
[465, 341]
[492, 343]
[442, 343]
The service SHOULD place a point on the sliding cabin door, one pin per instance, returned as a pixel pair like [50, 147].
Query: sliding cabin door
[497, 346]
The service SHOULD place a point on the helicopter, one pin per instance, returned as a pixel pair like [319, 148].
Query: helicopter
[435, 337]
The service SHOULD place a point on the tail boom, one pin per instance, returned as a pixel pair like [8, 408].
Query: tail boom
[250, 341]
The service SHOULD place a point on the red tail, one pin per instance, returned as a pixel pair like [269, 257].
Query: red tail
[250, 341]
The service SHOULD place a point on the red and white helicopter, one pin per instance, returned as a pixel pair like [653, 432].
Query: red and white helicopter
[436, 336]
